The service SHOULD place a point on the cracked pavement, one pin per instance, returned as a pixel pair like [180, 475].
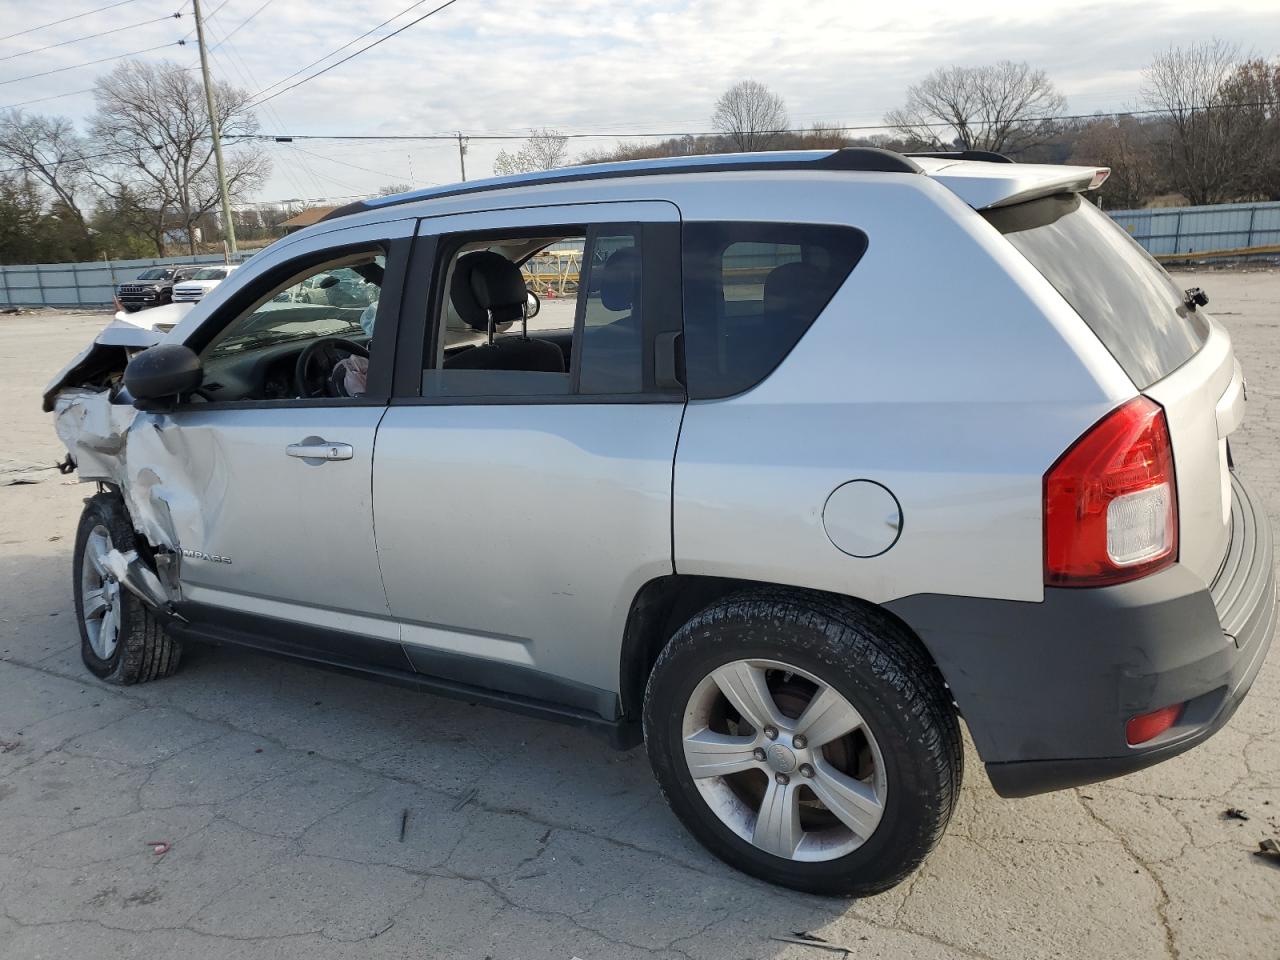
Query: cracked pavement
[282, 790]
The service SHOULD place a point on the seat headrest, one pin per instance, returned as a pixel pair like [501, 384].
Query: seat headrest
[620, 280]
[486, 282]
[792, 289]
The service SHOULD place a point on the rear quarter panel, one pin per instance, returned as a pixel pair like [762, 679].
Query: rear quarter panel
[946, 369]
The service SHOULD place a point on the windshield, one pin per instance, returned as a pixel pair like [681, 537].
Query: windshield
[154, 274]
[1125, 296]
[210, 273]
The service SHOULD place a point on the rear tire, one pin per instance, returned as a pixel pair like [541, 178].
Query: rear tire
[121, 640]
[852, 813]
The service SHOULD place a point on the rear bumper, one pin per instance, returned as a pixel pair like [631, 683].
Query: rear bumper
[1047, 688]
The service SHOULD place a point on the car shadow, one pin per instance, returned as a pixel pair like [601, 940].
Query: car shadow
[488, 809]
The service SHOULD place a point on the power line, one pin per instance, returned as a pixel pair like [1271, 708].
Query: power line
[236, 29]
[54, 23]
[364, 49]
[216, 10]
[373, 29]
[126, 152]
[353, 166]
[90, 36]
[90, 63]
[56, 96]
[327, 176]
[1098, 115]
[251, 83]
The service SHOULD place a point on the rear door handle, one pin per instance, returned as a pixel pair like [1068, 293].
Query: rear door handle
[319, 450]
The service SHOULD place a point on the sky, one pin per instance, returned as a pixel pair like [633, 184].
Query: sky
[597, 67]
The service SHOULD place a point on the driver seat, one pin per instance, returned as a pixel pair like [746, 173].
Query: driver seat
[488, 289]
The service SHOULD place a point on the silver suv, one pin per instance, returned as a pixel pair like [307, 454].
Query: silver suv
[804, 458]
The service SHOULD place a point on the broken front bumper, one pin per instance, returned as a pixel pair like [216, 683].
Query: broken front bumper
[1046, 689]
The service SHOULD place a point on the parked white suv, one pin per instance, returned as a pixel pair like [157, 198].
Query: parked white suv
[201, 282]
[832, 450]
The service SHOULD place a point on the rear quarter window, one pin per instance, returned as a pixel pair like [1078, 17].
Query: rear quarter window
[1128, 300]
[751, 290]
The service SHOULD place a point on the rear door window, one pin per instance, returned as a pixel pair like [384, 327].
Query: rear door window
[751, 290]
[584, 333]
[1128, 300]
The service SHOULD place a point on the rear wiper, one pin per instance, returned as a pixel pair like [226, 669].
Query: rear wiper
[1194, 297]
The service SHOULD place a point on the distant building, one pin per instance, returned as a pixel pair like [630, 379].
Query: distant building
[306, 218]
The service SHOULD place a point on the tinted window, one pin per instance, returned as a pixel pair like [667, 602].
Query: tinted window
[611, 332]
[581, 334]
[1126, 297]
[751, 290]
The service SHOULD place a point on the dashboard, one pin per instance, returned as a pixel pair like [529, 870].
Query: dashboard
[263, 373]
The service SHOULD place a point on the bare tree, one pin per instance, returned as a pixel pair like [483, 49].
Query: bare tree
[391, 189]
[1253, 92]
[51, 153]
[545, 149]
[1005, 107]
[750, 115]
[153, 122]
[1123, 144]
[1188, 86]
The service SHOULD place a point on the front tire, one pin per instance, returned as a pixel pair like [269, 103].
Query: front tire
[804, 740]
[121, 640]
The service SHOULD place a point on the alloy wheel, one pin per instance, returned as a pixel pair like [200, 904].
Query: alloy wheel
[784, 760]
[100, 595]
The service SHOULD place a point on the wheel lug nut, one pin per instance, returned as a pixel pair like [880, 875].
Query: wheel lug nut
[771, 732]
[758, 753]
[782, 779]
[799, 742]
[806, 770]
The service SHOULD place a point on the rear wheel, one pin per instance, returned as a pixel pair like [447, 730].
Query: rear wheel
[121, 641]
[804, 740]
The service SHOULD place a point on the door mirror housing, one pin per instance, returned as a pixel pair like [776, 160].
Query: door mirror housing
[163, 372]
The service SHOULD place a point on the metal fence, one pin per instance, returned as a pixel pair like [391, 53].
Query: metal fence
[91, 284]
[1221, 228]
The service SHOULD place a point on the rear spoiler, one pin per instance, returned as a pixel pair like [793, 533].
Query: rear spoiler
[986, 184]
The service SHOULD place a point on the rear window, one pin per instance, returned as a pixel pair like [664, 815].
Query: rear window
[1125, 296]
[751, 290]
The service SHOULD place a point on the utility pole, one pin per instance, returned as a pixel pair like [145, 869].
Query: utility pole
[229, 225]
[462, 155]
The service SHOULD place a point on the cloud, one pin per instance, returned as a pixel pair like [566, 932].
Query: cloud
[503, 66]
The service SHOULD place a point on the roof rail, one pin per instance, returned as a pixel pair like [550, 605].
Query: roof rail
[847, 158]
[989, 156]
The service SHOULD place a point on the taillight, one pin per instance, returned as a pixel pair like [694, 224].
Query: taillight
[1110, 502]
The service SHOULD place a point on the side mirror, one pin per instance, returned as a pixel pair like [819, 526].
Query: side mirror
[534, 306]
[165, 371]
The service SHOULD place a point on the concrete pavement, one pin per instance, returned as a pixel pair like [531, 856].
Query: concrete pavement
[282, 790]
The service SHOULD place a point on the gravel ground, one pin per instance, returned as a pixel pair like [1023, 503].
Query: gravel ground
[282, 790]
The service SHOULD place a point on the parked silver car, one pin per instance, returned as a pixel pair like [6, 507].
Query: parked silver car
[831, 450]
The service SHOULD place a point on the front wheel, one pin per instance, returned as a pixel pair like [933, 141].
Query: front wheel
[804, 740]
[121, 641]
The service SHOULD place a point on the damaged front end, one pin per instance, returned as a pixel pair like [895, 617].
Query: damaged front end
[114, 444]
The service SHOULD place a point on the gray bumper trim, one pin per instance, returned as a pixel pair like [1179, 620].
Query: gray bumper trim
[1046, 688]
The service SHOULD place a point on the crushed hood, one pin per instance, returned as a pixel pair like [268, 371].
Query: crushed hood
[103, 359]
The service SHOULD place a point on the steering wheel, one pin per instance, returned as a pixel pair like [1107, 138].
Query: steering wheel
[329, 350]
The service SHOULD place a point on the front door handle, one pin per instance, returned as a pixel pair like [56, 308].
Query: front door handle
[319, 450]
